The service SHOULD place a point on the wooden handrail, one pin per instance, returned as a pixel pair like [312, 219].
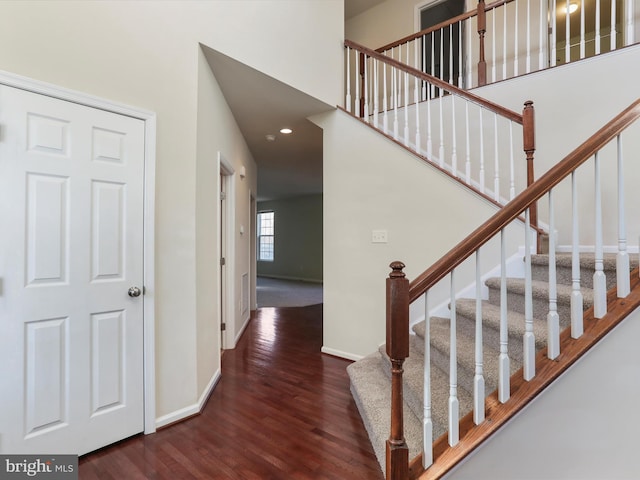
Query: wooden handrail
[446, 23]
[493, 107]
[521, 202]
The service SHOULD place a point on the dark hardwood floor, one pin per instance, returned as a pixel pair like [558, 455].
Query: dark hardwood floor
[282, 410]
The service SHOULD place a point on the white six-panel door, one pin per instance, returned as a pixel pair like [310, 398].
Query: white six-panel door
[71, 246]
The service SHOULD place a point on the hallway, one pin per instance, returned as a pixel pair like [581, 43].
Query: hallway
[282, 410]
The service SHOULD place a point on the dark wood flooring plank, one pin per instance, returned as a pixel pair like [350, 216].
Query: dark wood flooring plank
[282, 410]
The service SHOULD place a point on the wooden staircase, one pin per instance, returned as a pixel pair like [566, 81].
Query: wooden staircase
[373, 372]
[442, 372]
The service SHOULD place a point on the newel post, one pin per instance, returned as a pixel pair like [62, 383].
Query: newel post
[397, 461]
[529, 144]
[482, 28]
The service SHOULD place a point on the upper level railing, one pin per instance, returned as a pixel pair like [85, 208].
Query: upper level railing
[507, 38]
[563, 182]
[467, 137]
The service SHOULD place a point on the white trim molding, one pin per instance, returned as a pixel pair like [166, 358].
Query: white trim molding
[194, 409]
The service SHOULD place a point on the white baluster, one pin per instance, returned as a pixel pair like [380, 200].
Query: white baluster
[629, 29]
[441, 76]
[467, 165]
[583, 40]
[504, 374]
[478, 379]
[450, 54]
[418, 137]
[613, 25]
[622, 259]
[424, 65]
[469, 66]
[493, 45]
[454, 154]
[481, 154]
[417, 101]
[496, 161]
[427, 423]
[528, 64]
[512, 180]
[553, 39]
[553, 321]
[347, 100]
[429, 123]
[576, 294]
[599, 278]
[366, 90]
[406, 102]
[375, 92]
[454, 410]
[433, 61]
[395, 104]
[597, 27]
[543, 30]
[515, 39]
[441, 148]
[385, 116]
[504, 42]
[356, 106]
[460, 57]
[567, 40]
[529, 367]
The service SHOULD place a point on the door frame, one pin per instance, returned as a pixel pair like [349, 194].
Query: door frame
[149, 118]
[227, 174]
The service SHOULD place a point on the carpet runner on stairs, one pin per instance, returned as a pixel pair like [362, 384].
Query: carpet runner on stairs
[370, 377]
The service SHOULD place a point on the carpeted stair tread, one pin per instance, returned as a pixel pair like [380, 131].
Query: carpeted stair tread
[540, 268]
[440, 354]
[540, 289]
[540, 297]
[466, 309]
[371, 390]
[413, 379]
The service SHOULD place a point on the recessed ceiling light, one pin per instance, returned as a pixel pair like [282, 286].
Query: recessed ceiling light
[286, 131]
[270, 137]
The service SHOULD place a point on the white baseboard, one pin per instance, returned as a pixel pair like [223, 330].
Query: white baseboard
[338, 353]
[190, 410]
[241, 331]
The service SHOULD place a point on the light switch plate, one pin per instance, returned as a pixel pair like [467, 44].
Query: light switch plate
[378, 236]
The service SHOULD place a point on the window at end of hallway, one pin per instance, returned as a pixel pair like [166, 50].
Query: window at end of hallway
[265, 236]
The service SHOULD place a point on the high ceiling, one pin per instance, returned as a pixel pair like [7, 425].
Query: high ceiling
[291, 165]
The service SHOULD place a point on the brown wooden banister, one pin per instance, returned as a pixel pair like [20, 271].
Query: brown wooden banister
[446, 23]
[427, 31]
[524, 200]
[493, 107]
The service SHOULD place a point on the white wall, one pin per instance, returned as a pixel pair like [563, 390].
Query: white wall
[147, 54]
[370, 183]
[576, 428]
